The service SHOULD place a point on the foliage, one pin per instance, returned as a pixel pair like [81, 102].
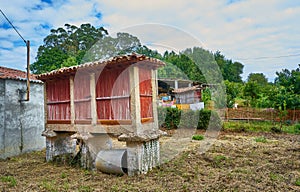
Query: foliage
[208, 119]
[206, 96]
[259, 78]
[231, 71]
[171, 117]
[297, 128]
[233, 91]
[62, 43]
[198, 137]
[297, 182]
[189, 119]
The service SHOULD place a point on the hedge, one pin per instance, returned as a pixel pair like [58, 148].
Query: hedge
[172, 118]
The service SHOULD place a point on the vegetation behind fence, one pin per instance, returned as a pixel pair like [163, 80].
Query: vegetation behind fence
[262, 114]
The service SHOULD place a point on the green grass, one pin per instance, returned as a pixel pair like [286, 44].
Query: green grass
[198, 137]
[260, 139]
[10, 180]
[297, 182]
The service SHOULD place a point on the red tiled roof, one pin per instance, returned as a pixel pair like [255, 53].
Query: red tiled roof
[115, 61]
[8, 73]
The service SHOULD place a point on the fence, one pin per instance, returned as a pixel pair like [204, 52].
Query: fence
[261, 114]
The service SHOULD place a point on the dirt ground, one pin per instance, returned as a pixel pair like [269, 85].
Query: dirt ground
[235, 162]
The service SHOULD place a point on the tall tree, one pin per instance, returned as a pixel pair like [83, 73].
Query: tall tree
[66, 42]
[231, 71]
[259, 78]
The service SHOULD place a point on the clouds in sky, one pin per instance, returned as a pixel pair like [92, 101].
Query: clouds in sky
[263, 35]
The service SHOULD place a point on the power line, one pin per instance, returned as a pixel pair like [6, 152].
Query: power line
[13, 26]
[274, 57]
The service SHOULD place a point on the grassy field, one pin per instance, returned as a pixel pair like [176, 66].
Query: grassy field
[246, 161]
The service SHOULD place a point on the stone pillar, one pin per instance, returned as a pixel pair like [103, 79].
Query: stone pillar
[59, 144]
[142, 156]
[142, 144]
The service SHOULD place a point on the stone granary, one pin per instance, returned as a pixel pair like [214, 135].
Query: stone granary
[89, 105]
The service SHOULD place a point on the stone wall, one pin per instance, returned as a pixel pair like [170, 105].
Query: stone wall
[21, 122]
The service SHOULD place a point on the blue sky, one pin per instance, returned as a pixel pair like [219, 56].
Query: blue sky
[263, 35]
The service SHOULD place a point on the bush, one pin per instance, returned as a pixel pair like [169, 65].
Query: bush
[172, 118]
[169, 117]
[189, 119]
[297, 128]
[208, 118]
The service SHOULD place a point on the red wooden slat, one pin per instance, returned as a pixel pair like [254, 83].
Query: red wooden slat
[58, 90]
[145, 92]
[113, 83]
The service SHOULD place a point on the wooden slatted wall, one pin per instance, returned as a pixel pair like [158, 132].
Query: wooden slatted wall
[145, 92]
[58, 99]
[82, 97]
[113, 94]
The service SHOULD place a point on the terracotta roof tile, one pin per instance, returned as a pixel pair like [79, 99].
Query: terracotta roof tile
[133, 58]
[8, 73]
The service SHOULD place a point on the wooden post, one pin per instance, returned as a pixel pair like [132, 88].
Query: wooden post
[72, 106]
[154, 85]
[93, 99]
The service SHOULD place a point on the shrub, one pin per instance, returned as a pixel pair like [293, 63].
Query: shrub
[189, 119]
[208, 118]
[276, 130]
[169, 117]
[297, 128]
[172, 118]
[198, 137]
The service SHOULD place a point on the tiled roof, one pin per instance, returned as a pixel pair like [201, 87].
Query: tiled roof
[8, 73]
[186, 89]
[114, 61]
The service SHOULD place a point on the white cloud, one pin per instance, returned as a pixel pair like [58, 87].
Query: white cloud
[240, 30]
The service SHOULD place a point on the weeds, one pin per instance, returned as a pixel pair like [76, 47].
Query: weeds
[297, 182]
[49, 186]
[217, 161]
[84, 188]
[198, 137]
[63, 175]
[10, 180]
[261, 139]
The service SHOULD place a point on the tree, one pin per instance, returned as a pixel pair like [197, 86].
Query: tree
[108, 46]
[289, 79]
[231, 71]
[259, 78]
[63, 43]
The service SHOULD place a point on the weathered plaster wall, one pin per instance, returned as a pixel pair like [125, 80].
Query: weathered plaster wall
[2, 95]
[23, 122]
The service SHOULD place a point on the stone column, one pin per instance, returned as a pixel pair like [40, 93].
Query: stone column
[142, 145]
